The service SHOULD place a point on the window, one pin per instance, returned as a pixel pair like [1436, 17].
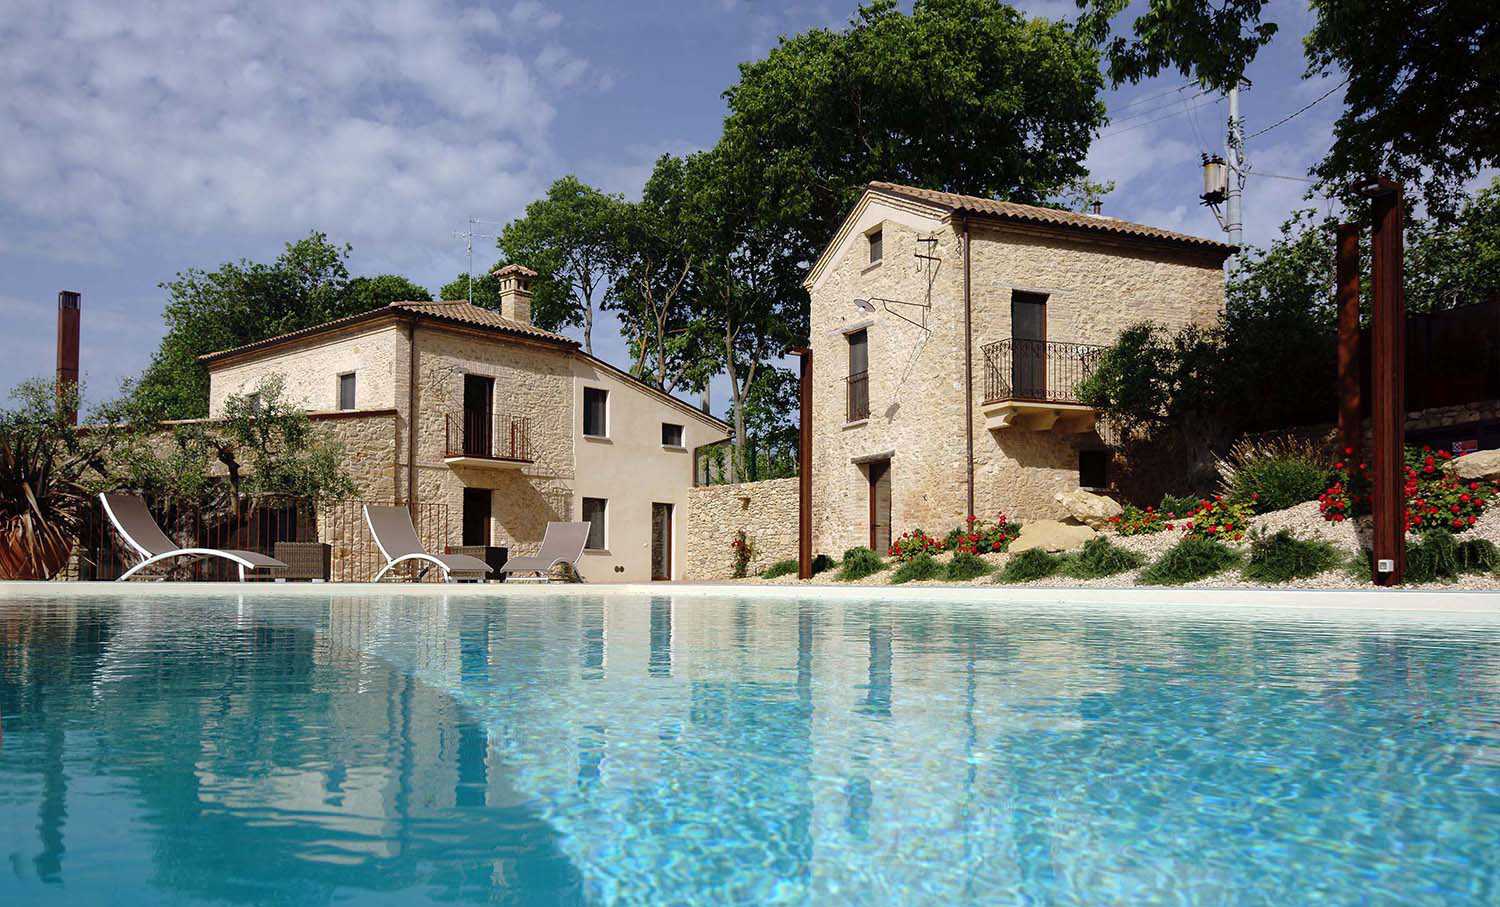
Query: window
[593, 514]
[596, 412]
[476, 516]
[877, 245]
[1093, 469]
[671, 435]
[859, 376]
[346, 391]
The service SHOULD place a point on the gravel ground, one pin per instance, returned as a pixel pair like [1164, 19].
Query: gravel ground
[1302, 520]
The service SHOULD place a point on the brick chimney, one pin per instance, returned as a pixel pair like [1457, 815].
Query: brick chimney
[67, 346]
[515, 292]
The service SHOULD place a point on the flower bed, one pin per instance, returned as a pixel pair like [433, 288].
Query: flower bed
[1434, 499]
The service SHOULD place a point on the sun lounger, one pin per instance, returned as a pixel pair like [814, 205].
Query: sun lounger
[562, 543]
[138, 528]
[398, 543]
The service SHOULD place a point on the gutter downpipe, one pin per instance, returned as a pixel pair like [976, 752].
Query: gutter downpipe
[968, 374]
[411, 419]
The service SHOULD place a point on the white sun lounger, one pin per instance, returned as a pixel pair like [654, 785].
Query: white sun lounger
[138, 528]
[397, 540]
[562, 543]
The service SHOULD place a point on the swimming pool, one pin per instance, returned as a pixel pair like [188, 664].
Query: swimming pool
[407, 746]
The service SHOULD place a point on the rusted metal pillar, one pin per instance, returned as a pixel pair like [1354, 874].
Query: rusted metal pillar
[1388, 382]
[1351, 433]
[67, 353]
[804, 464]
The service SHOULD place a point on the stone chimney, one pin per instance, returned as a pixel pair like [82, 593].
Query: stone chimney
[515, 292]
[67, 347]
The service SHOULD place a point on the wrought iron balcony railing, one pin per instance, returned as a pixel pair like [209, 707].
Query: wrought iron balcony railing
[1036, 370]
[488, 436]
[858, 395]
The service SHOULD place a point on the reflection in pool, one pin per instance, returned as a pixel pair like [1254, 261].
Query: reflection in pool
[608, 747]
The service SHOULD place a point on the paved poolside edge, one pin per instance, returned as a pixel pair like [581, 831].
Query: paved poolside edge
[1482, 603]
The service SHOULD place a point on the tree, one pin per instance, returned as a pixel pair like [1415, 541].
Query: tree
[567, 238]
[1422, 94]
[242, 302]
[486, 289]
[367, 293]
[655, 256]
[1457, 263]
[964, 95]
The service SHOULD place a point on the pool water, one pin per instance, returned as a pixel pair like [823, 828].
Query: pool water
[411, 747]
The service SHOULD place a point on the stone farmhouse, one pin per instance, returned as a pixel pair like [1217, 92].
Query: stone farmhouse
[949, 334]
[508, 425]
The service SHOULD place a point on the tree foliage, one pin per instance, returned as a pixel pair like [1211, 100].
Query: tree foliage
[568, 237]
[964, 95]
[242, 302]
[1422, 101]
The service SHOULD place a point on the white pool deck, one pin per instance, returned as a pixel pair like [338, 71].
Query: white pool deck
[1483, 606]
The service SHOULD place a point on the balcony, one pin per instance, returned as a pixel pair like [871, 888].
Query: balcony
[858, 397]
[1033, 385]
[486, 440]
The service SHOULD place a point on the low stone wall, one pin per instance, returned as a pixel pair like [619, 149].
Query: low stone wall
[766, 511]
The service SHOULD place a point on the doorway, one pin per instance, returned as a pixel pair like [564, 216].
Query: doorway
[479, 403]
[661, 541]
[1028, 341]
[476, 528]
[880, 506]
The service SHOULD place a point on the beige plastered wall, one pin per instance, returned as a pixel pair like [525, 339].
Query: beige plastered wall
[632, 470]
[917, 387]
[311, 371]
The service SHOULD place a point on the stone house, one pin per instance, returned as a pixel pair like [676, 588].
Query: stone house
[508, 425]
[948, 335]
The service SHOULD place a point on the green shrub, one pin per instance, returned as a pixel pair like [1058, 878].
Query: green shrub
[914, 544]
[1178, 505]
[919, 567]
[1478, 556]
[780, 568]
[1274, 475]
[1028, 565]
[822, 564]
[1191, 559]
[1100, 557]
[1283, 557]
[1440, 556]
[965, 566]
[860, 563]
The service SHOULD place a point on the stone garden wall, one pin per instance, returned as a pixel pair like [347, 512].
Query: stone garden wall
[766, 511]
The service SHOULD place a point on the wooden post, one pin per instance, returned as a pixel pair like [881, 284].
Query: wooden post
[1388, 383]
[1351, 432]
[804, 464]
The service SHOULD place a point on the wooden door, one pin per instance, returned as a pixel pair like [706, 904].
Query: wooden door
[661, 541]
[880, 506]
[1028, 336]
[476, 516]
[479, 408]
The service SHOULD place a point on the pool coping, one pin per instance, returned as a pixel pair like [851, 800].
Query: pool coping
[1457, 601]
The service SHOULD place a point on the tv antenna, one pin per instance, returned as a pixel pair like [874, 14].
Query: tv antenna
[468, 237]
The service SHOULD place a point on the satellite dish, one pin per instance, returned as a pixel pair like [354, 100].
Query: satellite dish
[864, 305]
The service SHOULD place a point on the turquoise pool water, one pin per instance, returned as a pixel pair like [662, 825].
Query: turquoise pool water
[409, 748]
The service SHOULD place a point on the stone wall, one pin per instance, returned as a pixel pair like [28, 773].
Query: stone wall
[311, 371]
[917, 392]
[766, 511]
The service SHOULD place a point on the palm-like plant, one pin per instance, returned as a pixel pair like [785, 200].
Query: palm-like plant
[48, 468]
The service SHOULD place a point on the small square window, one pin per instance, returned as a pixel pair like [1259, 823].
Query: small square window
[596, 412]
[346, 391]
[671, 435]
[877, 245]
[594, 514]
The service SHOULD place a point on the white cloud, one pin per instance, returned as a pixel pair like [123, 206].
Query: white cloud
[384, 122]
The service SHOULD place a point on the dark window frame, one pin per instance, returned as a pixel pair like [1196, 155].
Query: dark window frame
[599, 527]
[671, 429]
[1093, 464]
[603, 395]
[876, 239]
[353, 391]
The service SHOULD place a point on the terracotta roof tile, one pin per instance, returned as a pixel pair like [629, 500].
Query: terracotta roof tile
[1050, 217]
[457, 312]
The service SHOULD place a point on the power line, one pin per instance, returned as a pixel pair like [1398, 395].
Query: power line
[1149, 111]
[1152, 97]
[1298, 112]
[1177, 113]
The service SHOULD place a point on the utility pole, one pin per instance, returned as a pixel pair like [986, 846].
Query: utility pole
[1234, 153]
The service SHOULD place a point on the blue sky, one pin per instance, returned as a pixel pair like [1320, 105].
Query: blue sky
[145, 138]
